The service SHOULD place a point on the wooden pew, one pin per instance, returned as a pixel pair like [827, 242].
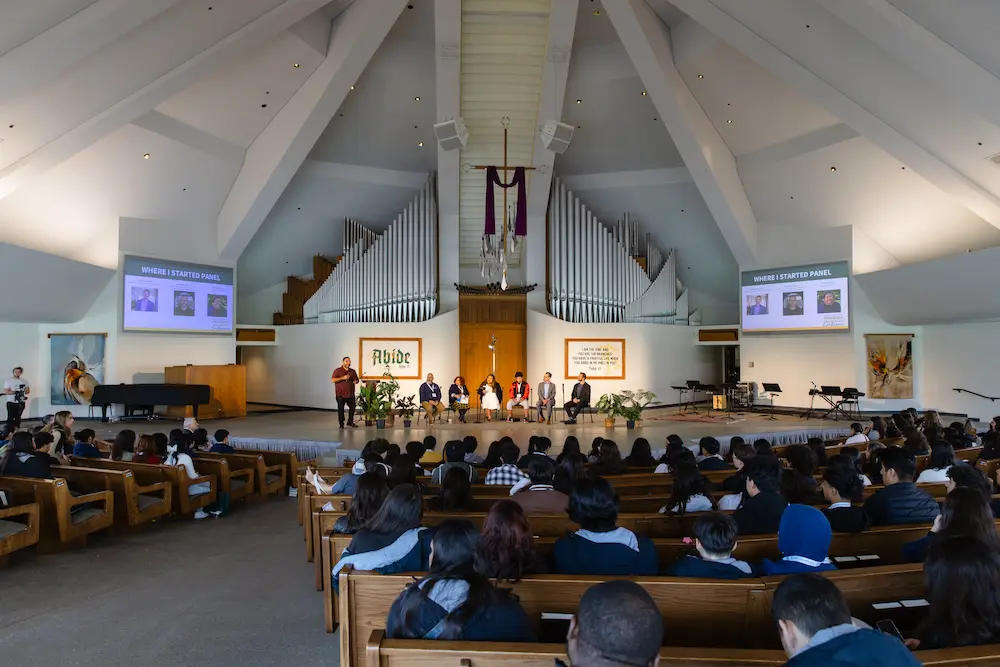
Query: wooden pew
[694, 609]
[237, 483]
[135, 504]
[149, 473]
[289, 460]
[17, 535]
[60, 527]
[989, 467]
[382, 652]
[270, 479]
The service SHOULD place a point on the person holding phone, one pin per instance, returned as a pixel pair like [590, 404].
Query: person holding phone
[16, 390]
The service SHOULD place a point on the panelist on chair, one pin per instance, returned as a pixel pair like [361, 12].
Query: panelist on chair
[519, 393]
[546, 398]
[579, 399]
[430, 398]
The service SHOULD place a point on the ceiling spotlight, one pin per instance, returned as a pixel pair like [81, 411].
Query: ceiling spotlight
[579, 101]
[146, 156]
[730, 121]
[701, 76]
[416, 99]
[832, 169]
[420, 144]
[296, 65]
[644, 93]
[596, 12]
[352, 87]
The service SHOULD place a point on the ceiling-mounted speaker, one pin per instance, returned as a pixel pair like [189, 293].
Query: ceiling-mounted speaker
[451, 134]
[556, 136]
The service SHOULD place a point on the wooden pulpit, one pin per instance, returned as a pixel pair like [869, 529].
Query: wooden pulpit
[228, 396]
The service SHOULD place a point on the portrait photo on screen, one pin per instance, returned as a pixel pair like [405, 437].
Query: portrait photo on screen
[828, 301]
[183, 304]
[144, 299]
[217, 306]
[791, 303]
[756, 304]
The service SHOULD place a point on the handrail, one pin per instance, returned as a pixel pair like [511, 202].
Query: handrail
[989, 398]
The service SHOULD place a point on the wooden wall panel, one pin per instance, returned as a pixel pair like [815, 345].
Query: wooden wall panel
[228, 397]
[481, 317]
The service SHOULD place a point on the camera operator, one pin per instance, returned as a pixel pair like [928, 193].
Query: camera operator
[16, 389]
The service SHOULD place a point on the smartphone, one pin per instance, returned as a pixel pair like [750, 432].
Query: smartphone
[888, 627]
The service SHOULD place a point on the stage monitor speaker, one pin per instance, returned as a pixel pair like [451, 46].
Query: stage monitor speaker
[556, 136]
[452, 134]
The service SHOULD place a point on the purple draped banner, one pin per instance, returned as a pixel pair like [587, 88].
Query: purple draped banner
[521, 215]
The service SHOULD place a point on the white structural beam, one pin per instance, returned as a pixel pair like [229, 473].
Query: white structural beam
[192, 137]
[448, 72]
[143, 79]
[711, 163]
[562, 26]
[356, 173]
[279, 151]
[766, 38]
[314, 32]
[970, 84]
[44, 56]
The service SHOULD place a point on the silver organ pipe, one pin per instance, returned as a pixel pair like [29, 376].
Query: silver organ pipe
[389, 277]
[594, 275]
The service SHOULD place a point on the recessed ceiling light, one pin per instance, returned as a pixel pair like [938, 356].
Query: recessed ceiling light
[701, 76]
[644, 93]
[352, 87]
[416, 99]
[579, 101]
[730, 121]
[145, 156]
[296, 65]
[596, 12]
[420, 144]
[832, 169]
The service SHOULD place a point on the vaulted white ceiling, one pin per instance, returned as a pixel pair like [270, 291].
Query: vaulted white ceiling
[879, 114]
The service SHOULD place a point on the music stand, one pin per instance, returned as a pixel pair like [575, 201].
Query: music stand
[694, 386]
[772, 389]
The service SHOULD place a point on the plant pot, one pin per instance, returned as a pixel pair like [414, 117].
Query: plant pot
[609, 422]
[379, 423]
[630, 424]
[368, 422]
[638, 423]
[390, 420]
[407, 422]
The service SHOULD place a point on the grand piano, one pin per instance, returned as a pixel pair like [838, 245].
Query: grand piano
[144, 397]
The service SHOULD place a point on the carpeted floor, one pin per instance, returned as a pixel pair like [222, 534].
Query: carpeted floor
[231, 591]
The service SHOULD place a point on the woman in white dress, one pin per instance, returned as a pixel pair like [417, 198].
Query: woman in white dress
[489, 396]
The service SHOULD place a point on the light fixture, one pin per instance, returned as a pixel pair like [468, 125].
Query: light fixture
[416, 99]
[644, 93]
[730, 121]
[701, 76]
[352, 87]
[579, 101]
[596, 12]
[832, 169]
[296, 65]
[145, 156]
[420, 144]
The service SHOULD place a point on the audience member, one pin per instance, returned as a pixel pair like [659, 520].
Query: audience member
[855, 459]
[179, 454]
[348, 483]
[43, 445]
[415, 450]
[199, 440]
[391, 452]
[965, 512]
[61, 429]
[802, 459]
[160, 441]
[715, 541]
[538, 445]
[872, 466]
[471, 445]
[404, 471]
[21, 460]
[762, 507]
[507, 473]
[455, 494]
[818, 448]
[506, 547]
[567, 472]
[711, 459]
[123, 446]
[876, 429]
[539, 495]
[221, 445]
[857, 435]
[600, 546]
[691, 492]
[595, 450]
[610, 461]
[991, 446]
[797, 488]
[454, 456]
[804, 537]
[971, 436]
[916, 443]
[430, 456]
[85, 446]
[454, 600]
[738, 482]
[941, 460]
[145, 450]
[962, 584]
[392, 540]
[616, 624]
[641, 455]
[763, 447]
[671, 457]
[368, 497]
[973, 478]
[817, 630]
[842, 486]
[900, 501]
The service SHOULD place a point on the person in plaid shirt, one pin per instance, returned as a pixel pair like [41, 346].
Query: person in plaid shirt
[507, 474]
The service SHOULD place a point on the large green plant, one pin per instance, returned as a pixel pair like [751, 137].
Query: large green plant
[406, 406]
[609, 405]
[388, 387]
[634, 402]
[370, 402]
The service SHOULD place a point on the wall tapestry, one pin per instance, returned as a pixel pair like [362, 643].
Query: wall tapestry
[890, 365]
[77, 366]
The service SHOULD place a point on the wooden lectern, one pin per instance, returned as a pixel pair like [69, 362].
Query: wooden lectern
[228, 395]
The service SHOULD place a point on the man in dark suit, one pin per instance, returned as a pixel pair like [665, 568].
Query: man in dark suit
[144, 304]
[757, 308]
[828, 305]
[580, 399]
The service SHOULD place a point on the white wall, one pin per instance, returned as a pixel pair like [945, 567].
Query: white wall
[297, 370]
[656, 356]
[259, 307]
[965, 356]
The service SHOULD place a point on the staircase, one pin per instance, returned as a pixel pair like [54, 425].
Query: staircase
[299, 291]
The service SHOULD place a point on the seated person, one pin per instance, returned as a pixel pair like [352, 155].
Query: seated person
[641, 456]
[675, 449]
[471, 445]
[404, 471]
[416, 451]
[179, 454]
[506, 546]
[600, 547]
[393, 540]
[736, 483]
[817, 630]
[145, 450]
[715, 540]
[454, 601]
[691, 491]
[841, 485]
[455, 494]
[617, 623]
[965, 512]
[519, 394]
[454, 456]
[368, 498]
[711, 460]
[762, 507]
[900, 502]
[43, 445]
[802, 459]
[21, 460]
[804, 538]
[222, 445]
[539, 496]
[85, 445]
[430, 456]
[348, 483]
[857, 436]
[609, 460]
[941, 460]
[123, 446]
[962, 585]
[537, 446]
[507, 473]
[973, 478]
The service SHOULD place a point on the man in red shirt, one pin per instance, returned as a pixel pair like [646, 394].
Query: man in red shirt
[344, 379]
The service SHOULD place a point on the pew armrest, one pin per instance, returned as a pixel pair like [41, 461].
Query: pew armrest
[202, 478]
[158, 487]
[105, 497]
[371, 649]
[29, 510]
[276, 469]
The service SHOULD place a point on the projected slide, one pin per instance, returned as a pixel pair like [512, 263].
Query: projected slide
[797, 298]
[162, 295]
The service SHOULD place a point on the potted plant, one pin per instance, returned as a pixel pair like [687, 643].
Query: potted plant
[609, 405]
[633, 403]
[368, 401]
[406, 406]
[388, 387]
[379, 411]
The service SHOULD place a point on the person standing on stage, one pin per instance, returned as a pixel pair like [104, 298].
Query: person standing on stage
[430, 399]
[580, 399]
[16, 390]
[546, 398]
[344, 377]
[519, 393]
